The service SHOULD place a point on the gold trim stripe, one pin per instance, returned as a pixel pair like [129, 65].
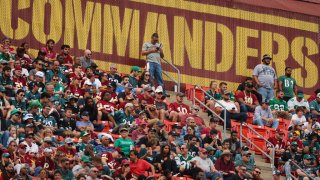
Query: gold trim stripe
[234, 13]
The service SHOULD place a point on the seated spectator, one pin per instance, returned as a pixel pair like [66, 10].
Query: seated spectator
[139, 166]
[183, 161]
[8, 172]
[290, 154]
[133, 77]
[192, 146]
[212, 140]
[82, 167]
[247, 100]
[295, 138]
[178, 109]
[297, 118]
[160, 103]
[206, 165]
[232, 110]
[106, 141]
[315, 106]
[143, 142]
[279, 106]
[239, 155]
[314, 96]
[113, 75]
[145, 81]
[124, 171]
[212, 125]
[249, 80]
[194, 114]
[191, 123]
[140, 131]
[225, 165]
[7, 82]
[278, 143]
[307, 167]
[311, 125]
[45, 162]
[126, 95]
[124, 142]
[242, 173]
[6, 55]
[298, 101]
[234, 143]
[19, 81]
[163, 161]
[105, 107]
[86, 60]
[19, 102]
[263, 116]
[212, 95]
[245, 161]
[122, 117]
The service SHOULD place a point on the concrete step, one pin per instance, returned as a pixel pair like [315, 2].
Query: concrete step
[260, 162]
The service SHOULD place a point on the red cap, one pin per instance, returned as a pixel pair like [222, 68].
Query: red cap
[279, 131]
[123, 162]
[22, 145]
[18, 68]
[203, 150]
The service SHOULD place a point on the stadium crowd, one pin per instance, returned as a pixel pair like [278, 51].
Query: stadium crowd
[62, 117]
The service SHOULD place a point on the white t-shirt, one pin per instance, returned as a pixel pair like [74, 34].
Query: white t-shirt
[204, 164]
[292, 103]
[33, 148]
[295, 119]
[229, 105]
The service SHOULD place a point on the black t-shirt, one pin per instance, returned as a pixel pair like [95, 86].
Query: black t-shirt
[168, 164]
[161, 105]
[141, 82]
[288, 155]
[116, 78]
[69, 124]
[208, 140]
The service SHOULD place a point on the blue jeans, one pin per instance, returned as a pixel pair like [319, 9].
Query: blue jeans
[155, 71]
[242, 117]
[266, 94]
[211, 175]
[274, 124]
[245, 108]
[4, 139]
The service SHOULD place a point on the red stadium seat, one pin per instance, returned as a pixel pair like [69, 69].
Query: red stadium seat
[259, 142]
[262, 130]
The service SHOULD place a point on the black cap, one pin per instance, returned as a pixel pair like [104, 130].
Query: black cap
[173, 133]
[214, 119]
[152, 130]
[266, 56]
[155, 35]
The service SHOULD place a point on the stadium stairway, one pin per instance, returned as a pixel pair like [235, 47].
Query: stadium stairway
[260, 162]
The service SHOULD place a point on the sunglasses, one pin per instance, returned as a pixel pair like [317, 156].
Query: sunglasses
[126, 165]
[258, 172]
[40, 64]
[70, 144]
[196, 109]
[22, 95]
[55, 79]
[147, 75]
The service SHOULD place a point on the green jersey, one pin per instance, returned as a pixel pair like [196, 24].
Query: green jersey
[14, 124]
[18, 105]
[48, 121]
[6, 81]
[7, 58]
[279, 105]
[314, 105]
[124, 144]
[121, 118]
[288, 84]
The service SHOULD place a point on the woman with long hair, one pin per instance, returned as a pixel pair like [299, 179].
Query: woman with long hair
[145, 80]
[164, 161]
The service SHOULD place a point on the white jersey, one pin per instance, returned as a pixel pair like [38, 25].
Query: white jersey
[293, 103]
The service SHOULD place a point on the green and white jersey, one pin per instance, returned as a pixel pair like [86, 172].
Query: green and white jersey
[314, 105]
[293, 103]
[48, 121]
[279, 105]
[183, 161]
[288, 84]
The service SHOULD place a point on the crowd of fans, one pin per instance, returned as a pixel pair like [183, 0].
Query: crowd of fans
[64, 118]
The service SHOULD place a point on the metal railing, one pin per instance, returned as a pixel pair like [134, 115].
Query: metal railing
[262, 151]
[208, 108]
[294, 163]
[172, 78]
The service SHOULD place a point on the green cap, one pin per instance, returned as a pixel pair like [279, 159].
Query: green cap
[84, 133]
[15, 111]
[209, 148]
[307, 156]
[2, 89]
[135, 68]
[300, 94]
[86, 159]
[294, 143]
[34, 104]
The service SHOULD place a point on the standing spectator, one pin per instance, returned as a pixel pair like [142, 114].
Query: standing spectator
[232, 110]
[113, 75]
[206, 165]
[225, 165]
[154, 53]
[139, 166]
[247, 100]
[279, 106]
[298, 101]
[124, 142]
[287, 84]
[265, 77]
[86, 60]
[315, 106]
[263, 116]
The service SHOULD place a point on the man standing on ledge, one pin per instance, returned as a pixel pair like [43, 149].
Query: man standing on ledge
[154, 52]
[266, 78]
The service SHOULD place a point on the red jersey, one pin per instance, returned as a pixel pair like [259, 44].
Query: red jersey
[76, 90]
[179, 107]
[108, 106]
[150, 100]
[207, 130]
[68, 153]
[140, 167]
[19, 82]
[278, 143]
[46, 163]
[112, 163]
[114, 96]
[75, 76]
[198, 120]
[50, 54]
[247, 97]
[67, 59]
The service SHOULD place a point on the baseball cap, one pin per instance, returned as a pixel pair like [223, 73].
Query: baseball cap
[226, 152]
[106, 136]
[40, 74]
[68, 141]
[245, 148]
[47, 150]
[135, 68]
[142, 112]
[124, 129]
[266, 56]
[214, 119]
[246, 153]
[296, 132]
[279, 131]
[307, 156]
[84, 133]
[28, 116]
[300, 94]
[173, 133]
[159, 89]
[294, 143]
[6, 155]
[85, 113]
[265, 101]
[22, 145]
[29, 125]
[17, 68]
[203, 150]
[210, 148]
[125, 161]
[148, 89]
[47, 139]
[226, 92]
[88, 82]
[2, 89]
[318, 95]
[15, 111]
[180, 94]
[85, 159]
[152, 130]
[128, 105]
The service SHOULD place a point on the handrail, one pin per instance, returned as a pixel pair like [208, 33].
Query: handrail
[272, 158]
[300, 168]
[204, 105]
[170, 77]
